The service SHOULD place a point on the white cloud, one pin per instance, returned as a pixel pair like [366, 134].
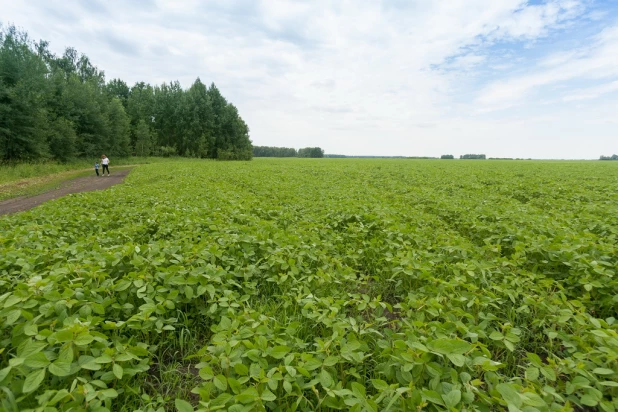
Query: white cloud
[532, 21]
[356, 77]
[592, 92]
[597, 61]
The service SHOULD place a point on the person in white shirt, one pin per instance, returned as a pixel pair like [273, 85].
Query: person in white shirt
[105, 163]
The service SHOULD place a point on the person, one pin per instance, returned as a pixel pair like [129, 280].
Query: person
[96, 167]
[105, 163]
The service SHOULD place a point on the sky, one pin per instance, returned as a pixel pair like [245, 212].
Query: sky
[506, 78]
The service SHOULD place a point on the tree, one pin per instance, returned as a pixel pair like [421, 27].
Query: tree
[67, 64]
[315, 152]
[61, 139]
[118, 140]
[198, 122]
[218, 103]
[143, 139]
[85, 108]
[236, 132]
[167, 111]
[22, 87]
[271, 151]
[140, 107]
[119, 89]
[472, 156]
[447, 157]
[61, 107]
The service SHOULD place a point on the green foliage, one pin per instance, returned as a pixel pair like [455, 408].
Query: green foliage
[314, 152]
[22, 87]
[472, 156]
[612, 157]
[165, 151]
[59, 108]
[117, 141]
[62, 139]
[119, 89]
[14, 178]
[272, 151]
[143, 139]
[378, 157]
[447, 157]
[234, 154]
[309, 285]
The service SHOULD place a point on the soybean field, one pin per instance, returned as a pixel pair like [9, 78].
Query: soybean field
[317, 285]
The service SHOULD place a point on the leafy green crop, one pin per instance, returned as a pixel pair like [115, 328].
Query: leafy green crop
[362, 285]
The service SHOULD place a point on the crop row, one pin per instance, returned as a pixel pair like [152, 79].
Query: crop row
[317, 285]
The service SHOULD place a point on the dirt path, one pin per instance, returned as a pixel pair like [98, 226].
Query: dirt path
[80, 184]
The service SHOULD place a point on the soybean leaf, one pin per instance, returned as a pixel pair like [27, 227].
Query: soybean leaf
[325, 379]
[449, 346]
[279, 352]
[268, 396]
[248, 395]
[220, 382]
[452, 398]
[118, 371]
[33, 380]
[379, 384]
[37, 360]
[509, 394]
[183, 406]
[60, 368]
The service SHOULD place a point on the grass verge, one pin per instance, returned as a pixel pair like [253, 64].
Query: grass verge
[41, 184]
[18, 172]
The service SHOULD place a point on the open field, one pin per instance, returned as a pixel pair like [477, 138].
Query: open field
[77, 185]
[20, 172]
[28, 179]
[327, 284]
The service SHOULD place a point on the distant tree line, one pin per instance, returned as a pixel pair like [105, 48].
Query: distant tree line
[61, 107]
[339, 156]
[612, 157]
[272, 151]
[311, 152]
[480, 156]
[472, 156]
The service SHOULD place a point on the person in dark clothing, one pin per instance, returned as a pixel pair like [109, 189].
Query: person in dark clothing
[105, 163]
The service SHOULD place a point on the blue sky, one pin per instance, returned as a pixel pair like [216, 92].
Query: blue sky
[507, 78]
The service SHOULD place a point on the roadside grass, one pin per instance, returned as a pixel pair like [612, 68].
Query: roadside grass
[20, 171]
[12, 172]
[30, 179]
[41, 184]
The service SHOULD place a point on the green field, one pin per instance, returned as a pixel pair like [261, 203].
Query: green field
[329, 284]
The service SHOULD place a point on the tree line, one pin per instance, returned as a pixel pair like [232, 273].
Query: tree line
[465, 156]
[612, 157]
[473, 156]
[61, 107]
[272, 151]
[340, 156]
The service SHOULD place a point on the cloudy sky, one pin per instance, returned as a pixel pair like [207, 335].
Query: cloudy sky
[508, 78]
